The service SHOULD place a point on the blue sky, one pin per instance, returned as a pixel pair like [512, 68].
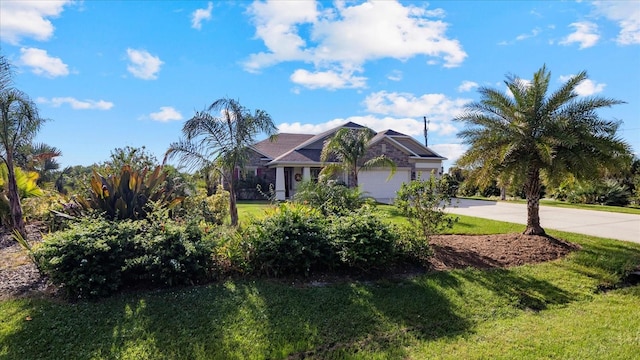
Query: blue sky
[112, 74]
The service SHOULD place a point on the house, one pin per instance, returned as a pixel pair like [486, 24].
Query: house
[292, 158]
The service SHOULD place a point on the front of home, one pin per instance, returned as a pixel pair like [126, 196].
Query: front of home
[292, 158]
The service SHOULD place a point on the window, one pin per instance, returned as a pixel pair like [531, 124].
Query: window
[243, 174]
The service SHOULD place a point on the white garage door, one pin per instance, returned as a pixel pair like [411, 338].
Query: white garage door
[374, 183]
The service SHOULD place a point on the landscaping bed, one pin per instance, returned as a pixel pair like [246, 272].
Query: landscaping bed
[19, 277]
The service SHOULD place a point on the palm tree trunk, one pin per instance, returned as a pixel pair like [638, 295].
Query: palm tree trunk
[354, 174]
[532, 191]
[233, 207]
[17, 221]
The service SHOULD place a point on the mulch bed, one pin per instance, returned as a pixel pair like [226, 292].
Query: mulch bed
[20, 278]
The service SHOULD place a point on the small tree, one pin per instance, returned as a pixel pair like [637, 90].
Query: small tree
[19, 122]
[538, 137]
[221, 142]
[138, 158]
[349, 147]
[423, 202]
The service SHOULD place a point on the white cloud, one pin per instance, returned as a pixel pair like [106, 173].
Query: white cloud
[28, 19]
[300, 128]
[586, 87]
[407, 126]
[627, 15]
[143, 65]
[533, 33]
[43, 64]
[434, 106]
[166, 114]
[198, 16]
[77, 104]
[586, 34]
[395, 75]
[327, 79]
[451, 151]
[467, 86]
[346, 36]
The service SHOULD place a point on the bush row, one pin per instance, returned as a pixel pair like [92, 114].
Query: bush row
[295, 239]
[96, 257]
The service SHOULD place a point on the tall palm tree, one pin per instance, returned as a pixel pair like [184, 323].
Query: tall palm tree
[19, 122]
[349, 147]
[221, 141]
[531, 136]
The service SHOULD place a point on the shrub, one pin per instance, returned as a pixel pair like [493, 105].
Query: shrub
[41, 208]
[411, 247]
[233, 253]
[291, 239]
[212, 209]
[168, 254]
[451, 185]
[362, 240]
[608, 192]
[87, 259]
[423, 203]
[330, 197]
[96, 257]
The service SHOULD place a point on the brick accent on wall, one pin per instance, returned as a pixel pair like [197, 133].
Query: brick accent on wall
[398, 156]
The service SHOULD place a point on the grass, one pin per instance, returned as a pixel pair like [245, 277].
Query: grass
[563, 204]
[549, 310]
[251, 209]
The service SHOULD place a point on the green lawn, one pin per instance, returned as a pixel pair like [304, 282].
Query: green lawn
[550, 310]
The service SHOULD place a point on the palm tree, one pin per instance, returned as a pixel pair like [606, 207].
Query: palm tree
[40, 158]
[221, 141]
[349, 147]
[19, 122]
[531, 136]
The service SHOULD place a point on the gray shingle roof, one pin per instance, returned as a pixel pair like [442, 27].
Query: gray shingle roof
[283, 143]
[303, 148]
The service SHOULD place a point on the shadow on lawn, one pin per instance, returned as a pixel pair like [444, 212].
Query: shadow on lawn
[274, 320]
[263, 319]
[235, 320]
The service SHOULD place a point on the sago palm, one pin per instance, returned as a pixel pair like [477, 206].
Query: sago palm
[221, 141]
[531, 136]
[347, 149]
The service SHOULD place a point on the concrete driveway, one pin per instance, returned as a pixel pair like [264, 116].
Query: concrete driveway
[589, 222]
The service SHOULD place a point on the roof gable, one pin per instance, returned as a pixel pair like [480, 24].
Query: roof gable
[317, 142]
[408, 143]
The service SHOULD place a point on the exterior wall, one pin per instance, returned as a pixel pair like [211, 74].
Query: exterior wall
[418, 167]
[384, 147]
[390, 150]
[255, 159]
[264, 176]
[425, 168]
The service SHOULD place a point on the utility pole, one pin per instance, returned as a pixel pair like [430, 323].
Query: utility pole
[426, 131]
